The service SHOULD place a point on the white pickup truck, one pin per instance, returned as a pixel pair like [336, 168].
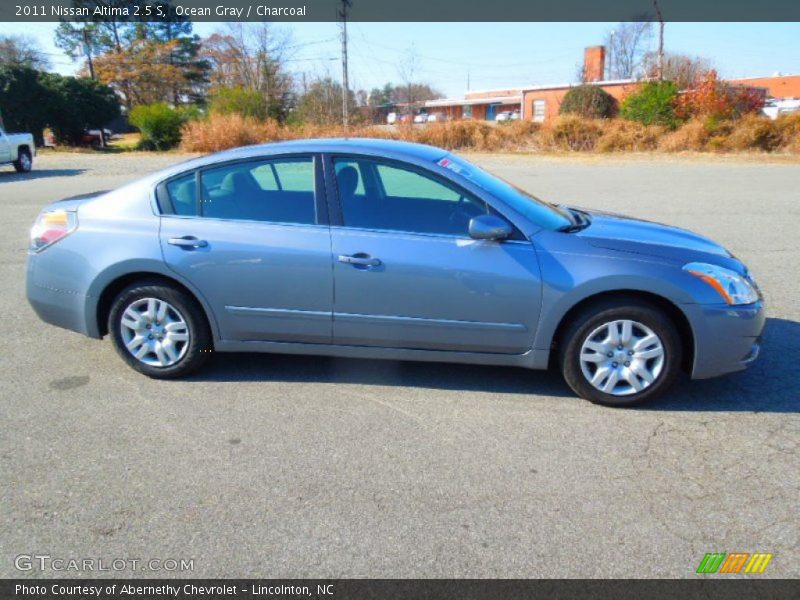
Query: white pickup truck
[17, 149]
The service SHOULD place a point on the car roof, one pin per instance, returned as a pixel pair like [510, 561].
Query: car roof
[371, 146]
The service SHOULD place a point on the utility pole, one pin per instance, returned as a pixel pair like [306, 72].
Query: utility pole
[345, 87]
[660, 41]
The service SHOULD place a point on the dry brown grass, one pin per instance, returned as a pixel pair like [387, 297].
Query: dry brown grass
[620, 135]
[570, 133]
[567, 133]
[788, 128]
[692, 136]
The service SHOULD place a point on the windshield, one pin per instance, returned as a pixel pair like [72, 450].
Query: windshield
[545, 214]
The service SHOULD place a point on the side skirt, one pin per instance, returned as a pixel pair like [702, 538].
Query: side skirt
[532, 359]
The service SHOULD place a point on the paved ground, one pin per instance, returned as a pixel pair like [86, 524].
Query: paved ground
[293, 466]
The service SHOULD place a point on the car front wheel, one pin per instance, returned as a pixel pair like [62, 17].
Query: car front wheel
[621, 353]
[159, 330]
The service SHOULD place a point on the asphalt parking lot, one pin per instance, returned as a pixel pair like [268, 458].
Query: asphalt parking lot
[278, 466]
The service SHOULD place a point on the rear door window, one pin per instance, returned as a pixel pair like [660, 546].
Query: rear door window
[277, 190]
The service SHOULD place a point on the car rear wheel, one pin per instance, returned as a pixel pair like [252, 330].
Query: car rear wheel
[159, 330]
[621, 353]
[24, 162]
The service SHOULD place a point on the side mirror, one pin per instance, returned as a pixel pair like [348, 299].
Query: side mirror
[489, 227]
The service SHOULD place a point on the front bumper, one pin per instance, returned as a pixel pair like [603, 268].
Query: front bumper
[726, 338]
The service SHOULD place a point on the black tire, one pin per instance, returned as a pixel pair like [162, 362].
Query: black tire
[24, 162]
[199, 346]
[611, 310]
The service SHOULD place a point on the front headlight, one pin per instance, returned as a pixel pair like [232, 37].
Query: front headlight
[734, 288]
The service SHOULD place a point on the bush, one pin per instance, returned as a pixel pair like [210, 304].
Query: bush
[652, 104]
[237, 100]
[159, 124]
[590, 101]
[717, 99]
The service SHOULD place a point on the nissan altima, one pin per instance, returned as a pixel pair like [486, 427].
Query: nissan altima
[382, 249]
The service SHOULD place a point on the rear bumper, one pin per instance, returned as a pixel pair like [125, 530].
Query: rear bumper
[727, 338]
[59, 307]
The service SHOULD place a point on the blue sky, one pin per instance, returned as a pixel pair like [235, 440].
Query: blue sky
[498, 54]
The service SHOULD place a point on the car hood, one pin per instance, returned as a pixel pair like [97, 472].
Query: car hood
[626, 234]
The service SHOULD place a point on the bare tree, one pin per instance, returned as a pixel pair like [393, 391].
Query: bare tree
[252, 56]
[22, 51]
[681, 69]
[625, 47]
[248, 55]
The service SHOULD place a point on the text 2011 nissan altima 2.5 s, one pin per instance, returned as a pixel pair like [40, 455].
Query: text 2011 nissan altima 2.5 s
[381, 249]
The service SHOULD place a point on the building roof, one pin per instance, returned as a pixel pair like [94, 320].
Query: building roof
[549, 86]
[781, 76]
[511, 99]
[472, 101]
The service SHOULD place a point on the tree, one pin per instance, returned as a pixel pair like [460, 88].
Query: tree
[625, 47]
[683, 70]
[396, 94]
[322, 103]
[252, 57]
[77, 104]
[24, 101]
[143, 73]
[122, 54]
[22, 51]
[183, 53]
[381, 96]
[104, 33]
[590, 101]
[33, 100]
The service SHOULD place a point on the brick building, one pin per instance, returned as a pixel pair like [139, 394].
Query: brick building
[542, 102]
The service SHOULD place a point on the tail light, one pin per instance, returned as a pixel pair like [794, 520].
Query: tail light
[51, 226]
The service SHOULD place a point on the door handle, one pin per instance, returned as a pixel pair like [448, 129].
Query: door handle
[360, 259]
[187, 241]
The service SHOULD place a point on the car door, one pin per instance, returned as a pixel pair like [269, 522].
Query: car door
[407, 274]
[252, 237]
